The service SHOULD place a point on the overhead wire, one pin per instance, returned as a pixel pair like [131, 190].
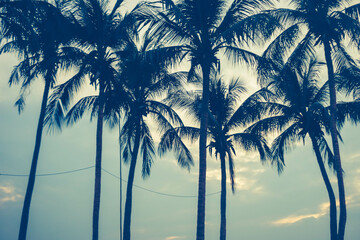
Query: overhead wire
[159, 193]
[111, 174]
[46, 174]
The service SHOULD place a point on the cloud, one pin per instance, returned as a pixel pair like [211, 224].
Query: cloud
[8, 194]
[323, 209]
[175, 237]
[294, 219]
[354, 156]
[245, 178]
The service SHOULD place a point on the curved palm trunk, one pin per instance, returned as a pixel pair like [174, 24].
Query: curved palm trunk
[200, 229]
[335, 142]
[128, 201]
[31, 181]
[223, 198]
[97, 190]
[330, 191]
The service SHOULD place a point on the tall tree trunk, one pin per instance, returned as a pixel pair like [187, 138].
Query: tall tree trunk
[128, 201]
[97, 190]
[330, 191]
[223, 198]
[121, 232]
[200, 229]
[31, 181]
[335, 142]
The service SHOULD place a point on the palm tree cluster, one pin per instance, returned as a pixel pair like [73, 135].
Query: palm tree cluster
[132, 58]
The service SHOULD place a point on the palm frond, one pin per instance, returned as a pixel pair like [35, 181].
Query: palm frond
[348, 111]
[280, 46]
[270, 124]
[147, 150]
[282, 144]
[342, 58]
[239, 10]
[172, 139]
[238, 55]
[252, 29]
[353, 11]
[326, 151]
[66, 91]
[252, 109]
[85, 104]
[20, 103]
[231, 170]
[348, 81]
[165, 111]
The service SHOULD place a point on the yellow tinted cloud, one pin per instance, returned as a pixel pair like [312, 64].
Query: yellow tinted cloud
[8, 194]
[174, 237]
[323, 209]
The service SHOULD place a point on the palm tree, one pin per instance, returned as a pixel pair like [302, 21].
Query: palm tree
[203, 29]
[36, 31]
[326, 23]
[302, 111]
[145, 75]
[225, 119]
[100, 33]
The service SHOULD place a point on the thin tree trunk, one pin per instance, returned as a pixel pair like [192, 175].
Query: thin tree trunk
[31, 181]
[128, 201]
[330, 191]
[335, 142]
[223, 198]
[121, 232]
[97, 190]
[200, 229]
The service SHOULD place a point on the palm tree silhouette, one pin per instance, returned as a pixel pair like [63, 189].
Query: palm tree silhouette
[100, 33]
[224, 120]
[36, 31]
[204, 29]
[301, 111]
[145, 75]
[326, 23]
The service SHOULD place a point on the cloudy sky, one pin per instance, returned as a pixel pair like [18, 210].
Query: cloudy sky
[265, 205]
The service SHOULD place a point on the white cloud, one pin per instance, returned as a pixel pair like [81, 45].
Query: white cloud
[293, 219]
[175, 237]
[8, 194]
[323, 210]
[242, 182]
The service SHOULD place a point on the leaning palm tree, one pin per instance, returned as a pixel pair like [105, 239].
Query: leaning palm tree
[225, 118]
[205, 29]
[145, 75]
[326, 23]
[100, 32]
[302, 111]
[36, 31]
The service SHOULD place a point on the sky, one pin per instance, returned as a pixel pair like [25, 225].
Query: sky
[293, 205]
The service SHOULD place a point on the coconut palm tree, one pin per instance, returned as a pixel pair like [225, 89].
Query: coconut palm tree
[36, 31]
[101, 31]
[145, 75]
[205, 29]
[225, 118]
[326, 23]
[302, 111]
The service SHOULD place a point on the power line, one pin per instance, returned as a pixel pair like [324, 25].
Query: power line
[111, 174]
[159, 193]
[47, 174]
